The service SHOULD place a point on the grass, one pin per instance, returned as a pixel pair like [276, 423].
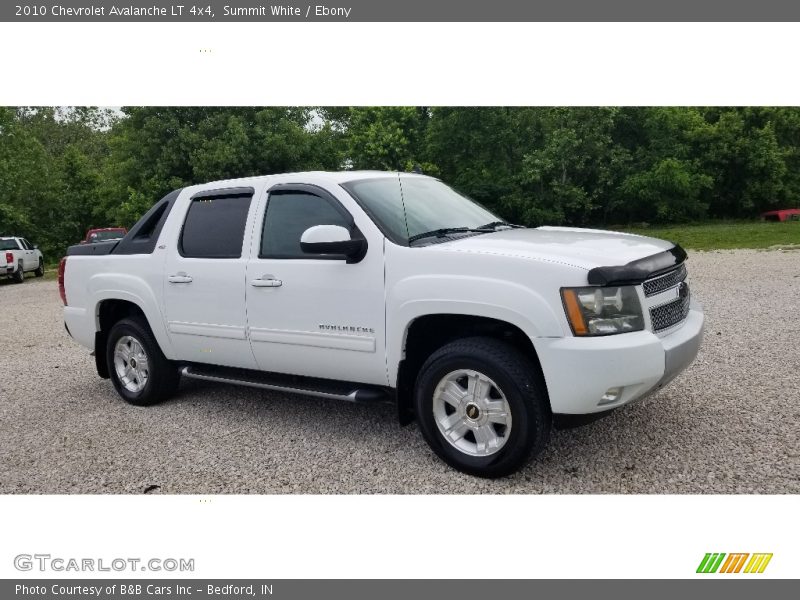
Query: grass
[723, 235]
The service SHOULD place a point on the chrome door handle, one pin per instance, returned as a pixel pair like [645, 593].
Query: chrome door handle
[266, 283]
[180, 278]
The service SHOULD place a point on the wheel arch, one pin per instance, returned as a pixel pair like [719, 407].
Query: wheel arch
[427, 333]
[112, 309]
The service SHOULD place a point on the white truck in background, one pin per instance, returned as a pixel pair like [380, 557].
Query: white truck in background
[374, 286]
[18, 256]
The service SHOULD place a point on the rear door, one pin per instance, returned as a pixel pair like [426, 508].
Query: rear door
[204, 287]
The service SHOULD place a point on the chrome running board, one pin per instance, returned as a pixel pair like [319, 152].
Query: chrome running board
[318, 388]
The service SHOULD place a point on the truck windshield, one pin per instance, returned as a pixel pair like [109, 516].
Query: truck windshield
[8, 245]
[407, 207]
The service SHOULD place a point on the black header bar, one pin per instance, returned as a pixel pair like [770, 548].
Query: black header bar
[403, 11]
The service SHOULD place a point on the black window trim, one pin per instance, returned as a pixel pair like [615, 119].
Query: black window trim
[313, 190]
[232, 192]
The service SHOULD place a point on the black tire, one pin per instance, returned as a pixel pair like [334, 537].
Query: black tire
[39, 272]
[163, 376]
[19, 274]
[521, 384]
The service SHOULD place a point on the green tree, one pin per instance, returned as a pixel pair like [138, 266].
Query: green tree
[571, 170]
[155, 150]
[386, 138]
[479, 150]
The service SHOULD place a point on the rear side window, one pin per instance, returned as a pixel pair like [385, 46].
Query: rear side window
[214, 227]
[143, 236]
[289, 214]
[149, 226]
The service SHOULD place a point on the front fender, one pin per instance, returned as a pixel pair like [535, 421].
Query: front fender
[498, 299]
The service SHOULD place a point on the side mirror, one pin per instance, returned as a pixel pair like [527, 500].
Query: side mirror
[36, 246]
[332, 239]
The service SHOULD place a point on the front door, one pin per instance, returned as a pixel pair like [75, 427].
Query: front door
[204, 281]
[314, 315]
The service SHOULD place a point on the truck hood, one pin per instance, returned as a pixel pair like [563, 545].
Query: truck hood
[583, 248]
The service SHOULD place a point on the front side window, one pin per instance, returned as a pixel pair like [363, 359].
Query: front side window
[25, 244]
[288, 215]
[408, 206]
[214, 227]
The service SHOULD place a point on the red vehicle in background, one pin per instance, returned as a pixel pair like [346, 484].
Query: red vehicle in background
[786, 214]
[105, 234]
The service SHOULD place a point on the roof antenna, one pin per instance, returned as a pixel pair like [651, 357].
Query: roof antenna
[417, 169]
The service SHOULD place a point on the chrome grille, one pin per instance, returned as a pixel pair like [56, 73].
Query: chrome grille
[664, 282]
[671, 313]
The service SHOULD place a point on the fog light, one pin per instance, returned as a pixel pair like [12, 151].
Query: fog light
[612, 395]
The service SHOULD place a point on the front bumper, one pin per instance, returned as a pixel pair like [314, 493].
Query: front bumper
[580, 371]
[682, 346]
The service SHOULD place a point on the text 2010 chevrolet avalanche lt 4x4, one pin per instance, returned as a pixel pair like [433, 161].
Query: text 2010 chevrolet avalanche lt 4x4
[370, 286]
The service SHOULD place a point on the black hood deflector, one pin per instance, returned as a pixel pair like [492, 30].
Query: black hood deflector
[637, 271]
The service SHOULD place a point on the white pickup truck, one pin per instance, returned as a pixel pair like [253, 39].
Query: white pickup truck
[17, 256]
[374, 286]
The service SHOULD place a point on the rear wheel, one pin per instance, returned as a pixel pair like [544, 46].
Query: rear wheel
[140, 372]
[482, 407]
[39, 272]
[19, 274]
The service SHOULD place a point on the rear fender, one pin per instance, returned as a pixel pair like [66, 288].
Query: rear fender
[136, 291]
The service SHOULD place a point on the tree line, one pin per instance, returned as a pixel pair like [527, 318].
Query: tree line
[65, 169]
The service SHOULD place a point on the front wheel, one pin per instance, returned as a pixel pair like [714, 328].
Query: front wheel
[482, 407]
[140, 372]
[39, 272]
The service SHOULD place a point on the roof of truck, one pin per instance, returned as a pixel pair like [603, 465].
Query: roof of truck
[312, 176]
[344, 176]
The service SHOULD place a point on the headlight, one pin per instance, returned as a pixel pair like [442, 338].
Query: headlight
[602, 310]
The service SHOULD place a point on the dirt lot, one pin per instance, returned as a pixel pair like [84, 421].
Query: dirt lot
[728, 425]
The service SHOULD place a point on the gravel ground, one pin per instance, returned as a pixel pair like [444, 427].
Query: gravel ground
[727, 425]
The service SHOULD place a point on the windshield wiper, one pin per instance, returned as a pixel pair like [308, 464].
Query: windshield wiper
[443, 232]
[447, 230]
[495, 224]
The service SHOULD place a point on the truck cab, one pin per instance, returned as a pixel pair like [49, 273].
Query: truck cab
[375, 286]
